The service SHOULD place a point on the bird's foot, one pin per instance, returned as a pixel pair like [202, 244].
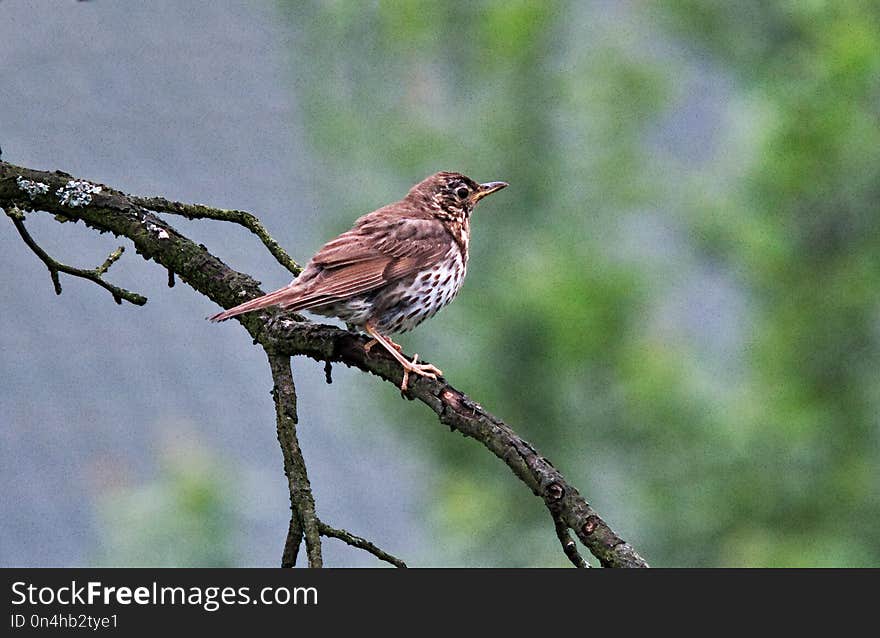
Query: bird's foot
[421, 369]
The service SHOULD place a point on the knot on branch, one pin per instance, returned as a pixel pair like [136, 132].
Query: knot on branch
[590, 525]
[554, 492]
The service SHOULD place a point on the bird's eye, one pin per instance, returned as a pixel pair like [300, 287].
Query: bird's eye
[462, 192]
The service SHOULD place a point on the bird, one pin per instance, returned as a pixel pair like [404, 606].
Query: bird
[396, 267]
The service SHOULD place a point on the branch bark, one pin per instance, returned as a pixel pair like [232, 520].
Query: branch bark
[302, 503]
[95, 275]
[240, 217]
[284, 335]
[360, 543]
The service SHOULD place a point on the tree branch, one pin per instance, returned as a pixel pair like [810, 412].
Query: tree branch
[243, 218]
[360, 543]
[95, 274]
[301, 500]
[285, 334]
[459, 412]
[568, 545]
[293, 540]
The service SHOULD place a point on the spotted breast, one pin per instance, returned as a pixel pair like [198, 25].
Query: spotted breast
[417, 298]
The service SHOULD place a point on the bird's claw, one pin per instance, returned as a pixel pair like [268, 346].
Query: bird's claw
[421, 369]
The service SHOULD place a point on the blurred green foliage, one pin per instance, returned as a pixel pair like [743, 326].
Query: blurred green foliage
[676, 299]
[182, 518]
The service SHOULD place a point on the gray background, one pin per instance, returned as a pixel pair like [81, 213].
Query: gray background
[191, 101]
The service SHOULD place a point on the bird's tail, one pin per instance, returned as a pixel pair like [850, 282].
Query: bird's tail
[269, 299]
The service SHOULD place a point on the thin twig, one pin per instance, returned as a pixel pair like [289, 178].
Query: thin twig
[95, 274]
[241, 217]
[360, 543]
[568, 544]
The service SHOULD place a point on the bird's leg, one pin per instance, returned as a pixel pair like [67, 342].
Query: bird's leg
[372, 342]
[421, 369]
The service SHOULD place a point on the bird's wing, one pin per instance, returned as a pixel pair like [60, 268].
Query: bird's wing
[376, 252]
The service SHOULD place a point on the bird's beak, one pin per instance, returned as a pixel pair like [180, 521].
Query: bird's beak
[487, 189]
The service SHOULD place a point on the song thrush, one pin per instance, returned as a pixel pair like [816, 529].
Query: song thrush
[395, 268]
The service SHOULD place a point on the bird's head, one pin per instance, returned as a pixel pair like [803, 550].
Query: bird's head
[452, 195]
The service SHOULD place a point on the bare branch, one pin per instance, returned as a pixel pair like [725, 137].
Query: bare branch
[111, 259]
[360, 543]
[456, 410]
[243, 218]
[293, 540]
[568, 544]
[301, 499]
[95, 274]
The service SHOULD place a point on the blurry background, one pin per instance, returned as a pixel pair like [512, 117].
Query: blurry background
[675, 301]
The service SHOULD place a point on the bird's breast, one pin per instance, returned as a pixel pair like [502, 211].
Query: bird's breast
[414, 299]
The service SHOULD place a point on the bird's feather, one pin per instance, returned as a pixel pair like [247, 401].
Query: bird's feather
[381, 248]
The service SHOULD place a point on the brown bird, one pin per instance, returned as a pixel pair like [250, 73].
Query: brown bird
[395, 268]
